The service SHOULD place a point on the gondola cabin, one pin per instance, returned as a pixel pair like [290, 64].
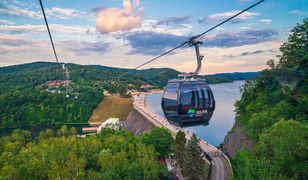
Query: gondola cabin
[187, 102]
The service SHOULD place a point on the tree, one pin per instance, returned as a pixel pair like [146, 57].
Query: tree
[73, 131]
[194, 164]
[273, 110]
[110, 155]
[63, 131]
[46, 134]
[285, 146]
[179, 147]
[161, 140]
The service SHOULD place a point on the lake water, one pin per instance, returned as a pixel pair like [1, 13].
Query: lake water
[223, 118]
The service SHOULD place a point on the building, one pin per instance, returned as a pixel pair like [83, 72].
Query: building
[146, 86]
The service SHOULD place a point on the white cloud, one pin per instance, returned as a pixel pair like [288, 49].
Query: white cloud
[68, 13]
[17, 11]
[33, 29]
[222, 16]
[10, 40]
[20, 29]
[113, 19]
[28, 9]
[298, 12]
[151, 25]
[266, 21]
[246, 28]
[5, 22]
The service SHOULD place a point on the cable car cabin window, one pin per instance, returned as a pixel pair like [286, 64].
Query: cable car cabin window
[170, 96]
[188, 100]
[207, 97]
[201, 99]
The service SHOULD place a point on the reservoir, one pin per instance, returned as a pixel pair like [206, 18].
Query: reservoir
[223, 118]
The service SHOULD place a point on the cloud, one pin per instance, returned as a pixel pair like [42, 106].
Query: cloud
[298, 12]
[20, 29]
[225, 15]
[251, 53]
[97, 9]
[13, 41]
[241, 38]
[174, 20]
[13, 47]
[10, 10]
[176, 29]
[266, 21]
[5, 22]
[152, 43]
[113, 19]
[67, 13]
[33, 29]
[22, 9]
[84, 48]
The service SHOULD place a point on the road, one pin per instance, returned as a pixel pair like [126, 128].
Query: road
[221, 166]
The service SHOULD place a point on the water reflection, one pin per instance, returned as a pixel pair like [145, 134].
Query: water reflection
[223, 118]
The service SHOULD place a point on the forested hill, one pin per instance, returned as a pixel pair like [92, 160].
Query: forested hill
[39, 72]
[273, 111]
[37, 93]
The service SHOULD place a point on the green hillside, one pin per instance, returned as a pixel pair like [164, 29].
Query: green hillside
[27, 99]
[273, 111]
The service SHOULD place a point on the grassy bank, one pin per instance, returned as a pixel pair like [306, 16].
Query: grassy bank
[112, 106]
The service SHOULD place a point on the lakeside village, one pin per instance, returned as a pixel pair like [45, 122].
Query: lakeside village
[63, 86]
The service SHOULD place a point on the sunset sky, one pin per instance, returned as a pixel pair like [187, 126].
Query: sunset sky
[123, 33]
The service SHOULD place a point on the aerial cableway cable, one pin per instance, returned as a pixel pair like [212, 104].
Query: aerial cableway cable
[51, 41]
[232, 17]
[189, 41]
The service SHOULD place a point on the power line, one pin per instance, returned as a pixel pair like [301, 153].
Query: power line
[188, 41]
[46, 22]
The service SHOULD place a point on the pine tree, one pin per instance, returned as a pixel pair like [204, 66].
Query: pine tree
[194, 164]
[179, 147]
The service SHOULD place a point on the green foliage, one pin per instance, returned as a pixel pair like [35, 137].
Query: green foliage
[160, 139]
[194, 165]
[109, 155]
[274, 111]
[285, 146]
[179, 147]
[189, 157]
[34, 106]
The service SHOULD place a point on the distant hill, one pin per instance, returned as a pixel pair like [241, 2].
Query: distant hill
[154, 76]
[37, 93]
[238, 75]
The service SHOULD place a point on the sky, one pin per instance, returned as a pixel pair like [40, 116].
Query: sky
[126, 33]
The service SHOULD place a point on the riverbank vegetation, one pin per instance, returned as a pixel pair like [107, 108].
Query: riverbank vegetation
[273, 111]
